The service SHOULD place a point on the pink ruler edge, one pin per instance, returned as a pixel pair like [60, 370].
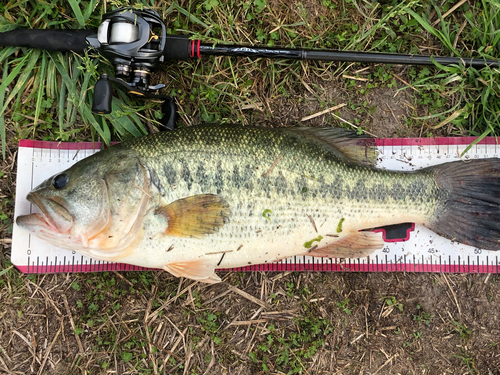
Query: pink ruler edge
[281, 267]
[333, 267]
[438, 141]
[28, 143]
[385, 142]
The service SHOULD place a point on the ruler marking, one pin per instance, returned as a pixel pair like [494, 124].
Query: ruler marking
[437, 152]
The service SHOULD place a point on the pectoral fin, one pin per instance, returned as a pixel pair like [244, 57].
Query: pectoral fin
[195, 216]
[355, 245]
[199, 270]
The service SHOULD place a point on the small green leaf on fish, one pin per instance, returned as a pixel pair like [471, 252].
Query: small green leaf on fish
[267, 213]
[304, 190]
[339, 227]
[308, 244]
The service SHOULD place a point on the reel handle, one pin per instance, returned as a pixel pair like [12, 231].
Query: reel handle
[103, 94]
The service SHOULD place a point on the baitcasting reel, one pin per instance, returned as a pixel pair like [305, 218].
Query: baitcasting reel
[134, 42]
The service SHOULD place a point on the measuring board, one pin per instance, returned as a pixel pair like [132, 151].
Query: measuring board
[408, 247]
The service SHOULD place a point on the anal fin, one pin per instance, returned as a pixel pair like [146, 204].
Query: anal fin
[355, 245]
[198, 270]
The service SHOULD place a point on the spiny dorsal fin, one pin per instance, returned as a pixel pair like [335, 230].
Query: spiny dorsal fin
[195, 216]
[344, 143]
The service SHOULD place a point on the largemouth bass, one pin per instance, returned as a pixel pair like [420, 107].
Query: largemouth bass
[201, 198]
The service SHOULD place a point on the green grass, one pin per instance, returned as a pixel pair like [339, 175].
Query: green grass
[290, 353]
[50, 94]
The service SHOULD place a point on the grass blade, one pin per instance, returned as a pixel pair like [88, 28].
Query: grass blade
[62, 107]
[41, 87]
[77, 11]
[90, 9]
[10, 78]
[2, 118]
[190, 16]
[7, 52]
[5, 270]
[476, 141]
[84, 109]
[119, 117]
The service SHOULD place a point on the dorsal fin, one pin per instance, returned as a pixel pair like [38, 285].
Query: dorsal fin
[344, 143]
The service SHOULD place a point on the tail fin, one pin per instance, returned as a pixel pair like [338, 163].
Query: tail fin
[470, 212]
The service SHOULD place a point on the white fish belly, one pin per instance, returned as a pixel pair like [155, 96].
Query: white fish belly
[257, 234]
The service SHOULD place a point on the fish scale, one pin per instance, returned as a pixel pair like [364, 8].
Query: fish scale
[290, 191]
[229, 196]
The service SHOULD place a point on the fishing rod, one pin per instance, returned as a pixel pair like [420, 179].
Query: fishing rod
[136, 43]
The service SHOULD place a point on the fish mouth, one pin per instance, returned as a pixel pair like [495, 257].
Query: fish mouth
[54, 217]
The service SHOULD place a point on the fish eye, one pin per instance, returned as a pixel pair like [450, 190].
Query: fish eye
[60, 181]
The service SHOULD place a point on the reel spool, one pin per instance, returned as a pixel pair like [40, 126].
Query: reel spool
[127, 38]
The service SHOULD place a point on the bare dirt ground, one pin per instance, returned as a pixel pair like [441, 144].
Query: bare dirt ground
[254, 323]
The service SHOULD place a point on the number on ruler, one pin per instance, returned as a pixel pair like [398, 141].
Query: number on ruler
[386, 250]
[477, 251]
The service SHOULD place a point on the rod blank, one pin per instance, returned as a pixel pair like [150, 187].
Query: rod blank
[324, 55]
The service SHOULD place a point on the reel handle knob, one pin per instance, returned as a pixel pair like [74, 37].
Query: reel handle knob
[103, 94]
